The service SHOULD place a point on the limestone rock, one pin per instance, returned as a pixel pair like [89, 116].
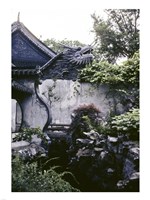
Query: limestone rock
[92, 135]
[85, 153]
[27, 150]
[84, 142]
[113, 140]
[19, 145]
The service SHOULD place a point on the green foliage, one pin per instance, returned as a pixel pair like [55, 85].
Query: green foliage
[29, 178]
[56, 45]
[130, 70]
[104, 128]
[27, 133]
[103, 72]
[118, 35]
[88, 122]
[127, 124]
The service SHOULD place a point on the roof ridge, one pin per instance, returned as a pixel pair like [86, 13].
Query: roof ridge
[50, 62]
[20, 26]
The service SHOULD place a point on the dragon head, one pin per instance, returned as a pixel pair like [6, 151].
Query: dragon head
[78, 55]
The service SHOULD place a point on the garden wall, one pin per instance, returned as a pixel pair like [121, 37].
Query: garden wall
[63, 96]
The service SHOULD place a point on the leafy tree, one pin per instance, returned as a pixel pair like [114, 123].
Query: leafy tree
[56, 45]
[118, 36]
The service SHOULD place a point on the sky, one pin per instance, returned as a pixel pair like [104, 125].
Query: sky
[59, 19]
[59, 22]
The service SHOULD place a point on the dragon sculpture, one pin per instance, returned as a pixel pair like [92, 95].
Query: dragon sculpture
[78, 55]
[66, 64]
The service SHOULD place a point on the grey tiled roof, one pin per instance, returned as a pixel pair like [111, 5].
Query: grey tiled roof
[16, 71]
[21, 87]
[19, 26]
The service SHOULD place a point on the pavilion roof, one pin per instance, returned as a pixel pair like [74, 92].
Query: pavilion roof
[19, 26]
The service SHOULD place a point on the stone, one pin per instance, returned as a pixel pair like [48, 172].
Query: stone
[85, 153]
[101, 143]
[113, 140]
[36, 139]
[110, 170]
[133, 156]
[27, 150]
[121, 184]
[92, 135]
[128, 168]
[112, 144]
[33, 151]
[135, 176]
[135, 150]
[19, 145]
[98, 149]
[103, 155]
[13, 135]
[127, 143]
[84, 141]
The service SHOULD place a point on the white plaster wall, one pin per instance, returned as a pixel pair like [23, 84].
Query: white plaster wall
[69, 95]
[65, 97]
[13, 115]
[34, 114]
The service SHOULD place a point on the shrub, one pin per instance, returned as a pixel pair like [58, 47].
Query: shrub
[29, 178]
[90, 111]
[101, 72]
[127, 124]
[27, 133]
[126, 73]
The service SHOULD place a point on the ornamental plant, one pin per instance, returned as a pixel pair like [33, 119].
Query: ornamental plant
[126, 73]
[28, 177]
[84, 119]
[27, 133]
[127, 124]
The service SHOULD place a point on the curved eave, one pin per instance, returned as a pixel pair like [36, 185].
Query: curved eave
[25, 72]
[18, 26]
[19, 87]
